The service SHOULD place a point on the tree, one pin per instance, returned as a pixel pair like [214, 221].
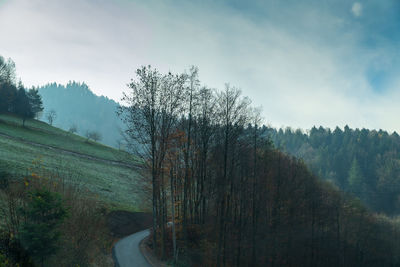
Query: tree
[356, 178]
[51, 116]
[8, 93]
[22, 106]
[35, 101]
[95, 136]
[256, 121]
[73, 129]
[232, 115]
[153, 105]
[44, 212]
[388, 185]
[8, 90]
[191, 92]
[7, 71]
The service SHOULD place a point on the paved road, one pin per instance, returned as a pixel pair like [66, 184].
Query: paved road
[127, 252]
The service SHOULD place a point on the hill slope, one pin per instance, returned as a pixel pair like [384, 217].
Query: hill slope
[76, 104]
[40, 148]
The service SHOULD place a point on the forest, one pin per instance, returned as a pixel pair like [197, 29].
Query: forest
[232, 198]
[362, 162]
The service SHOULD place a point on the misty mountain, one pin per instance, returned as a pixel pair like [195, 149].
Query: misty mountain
[76, 104]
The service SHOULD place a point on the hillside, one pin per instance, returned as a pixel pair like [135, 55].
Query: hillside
[359, 161]
[76, 104]
[41, 148]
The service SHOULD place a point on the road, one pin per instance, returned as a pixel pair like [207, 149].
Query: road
[127, 252]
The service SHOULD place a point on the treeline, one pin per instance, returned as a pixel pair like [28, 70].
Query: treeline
[232, 199]
[363, 162]
[15, 98]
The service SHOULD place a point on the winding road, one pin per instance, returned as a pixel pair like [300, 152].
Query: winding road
[127, 252]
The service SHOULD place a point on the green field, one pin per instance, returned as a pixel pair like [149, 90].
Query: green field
[41, 148]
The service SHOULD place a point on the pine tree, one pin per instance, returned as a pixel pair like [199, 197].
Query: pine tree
[356, 178]
[35, 101]
[7, 95]
[40, 234]
[22, 106]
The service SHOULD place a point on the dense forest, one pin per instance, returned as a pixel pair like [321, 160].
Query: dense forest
[233, 199]
[77, 108]
[362, 162]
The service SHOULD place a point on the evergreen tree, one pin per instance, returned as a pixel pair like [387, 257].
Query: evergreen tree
[40, 234]
[35, 101]
[7, 85]
[355, 178]
[22, 106]
[7, 96]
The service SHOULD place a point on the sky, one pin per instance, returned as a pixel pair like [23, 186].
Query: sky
[312, 62]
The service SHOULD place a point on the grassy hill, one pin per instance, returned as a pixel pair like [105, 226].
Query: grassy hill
[41, 148]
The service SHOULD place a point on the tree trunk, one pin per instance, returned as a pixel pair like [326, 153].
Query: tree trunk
[173, 215]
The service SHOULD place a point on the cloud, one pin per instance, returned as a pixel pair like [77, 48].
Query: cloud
[356, 9]
[306, 65]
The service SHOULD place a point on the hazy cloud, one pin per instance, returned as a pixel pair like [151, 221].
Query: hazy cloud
[307, 64]
[356, 9]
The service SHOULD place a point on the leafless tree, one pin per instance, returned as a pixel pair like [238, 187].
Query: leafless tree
[232, 116]
[151, 109]
[95, 136]
[51, 116]
[7, 71]
[73, 129]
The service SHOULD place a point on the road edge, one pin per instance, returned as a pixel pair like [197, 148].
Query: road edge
[148, 254]
[116, 263]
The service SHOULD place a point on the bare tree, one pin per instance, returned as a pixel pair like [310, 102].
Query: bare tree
[152, 108]
[95, 136]
[7, 71]
[191, 91]
[51, 116]
[73, 129]
[256, 122]
[232, 116]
